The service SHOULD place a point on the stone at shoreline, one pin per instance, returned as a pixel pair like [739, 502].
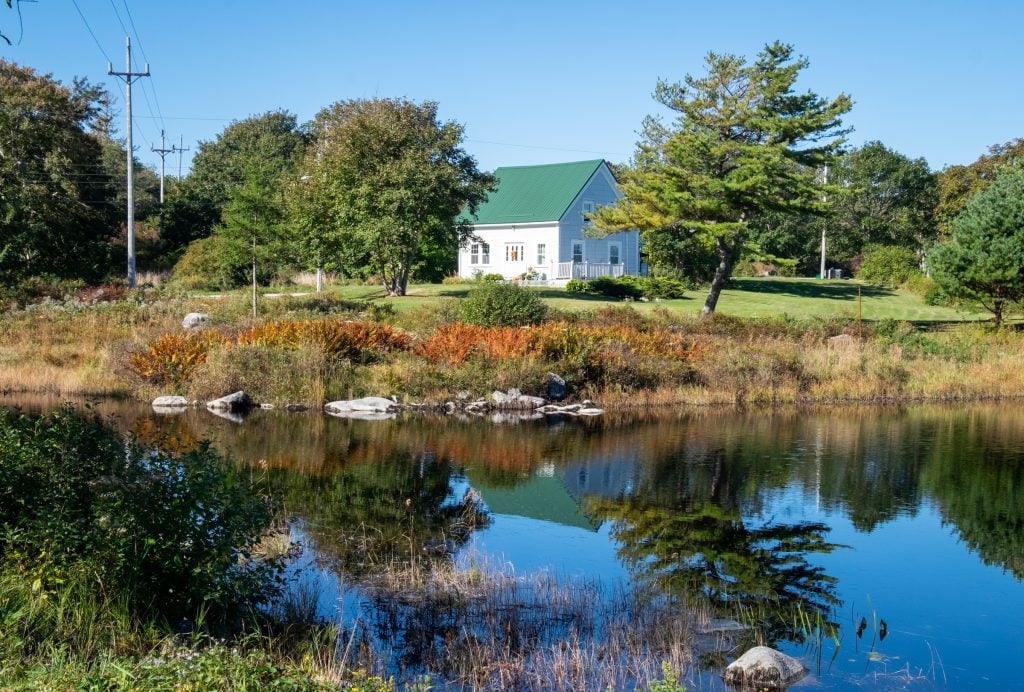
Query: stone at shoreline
[296, 407]
[195, 320]
[170, 402]
[515, 400]
[556, 387]
[763, 666]
[369, 404]
[239, 401]
[571, 409]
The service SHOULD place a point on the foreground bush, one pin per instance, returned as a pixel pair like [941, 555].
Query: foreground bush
[502, 305]
[169, 537]
[633, 287]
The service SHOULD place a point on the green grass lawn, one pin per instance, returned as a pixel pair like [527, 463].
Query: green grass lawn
[761, 297]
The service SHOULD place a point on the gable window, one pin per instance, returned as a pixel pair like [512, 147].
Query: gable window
[479, 253]
[542, 253]
[514, 252]
[588, 208]
[577, 251]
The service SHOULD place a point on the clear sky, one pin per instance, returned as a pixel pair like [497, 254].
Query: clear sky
[537, 81]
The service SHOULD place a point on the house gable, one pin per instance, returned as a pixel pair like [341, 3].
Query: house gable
[530, 194]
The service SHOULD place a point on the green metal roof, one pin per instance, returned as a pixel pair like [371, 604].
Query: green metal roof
[534, 193]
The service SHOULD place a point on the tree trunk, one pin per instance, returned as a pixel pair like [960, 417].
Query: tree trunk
[997, 311]
[726, 255]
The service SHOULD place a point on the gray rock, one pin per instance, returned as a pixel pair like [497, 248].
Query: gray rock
[239, 401]
[763, 666]
[170, 402]
[369, 404]
[515, 400]
[840, 340]
[590, 411]
[195, 320]
[296, 407]
[556, 387]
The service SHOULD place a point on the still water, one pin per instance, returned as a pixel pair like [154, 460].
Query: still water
[897, 535]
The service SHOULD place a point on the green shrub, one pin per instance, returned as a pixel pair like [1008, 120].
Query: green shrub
[888, 265]
[631, 287]
[502, 305]
[490, 278]
[204, 267]
[170, 536]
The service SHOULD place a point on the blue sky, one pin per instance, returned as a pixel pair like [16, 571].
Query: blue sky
[539, 82]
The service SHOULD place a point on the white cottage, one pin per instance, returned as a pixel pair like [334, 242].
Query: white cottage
[534, 226]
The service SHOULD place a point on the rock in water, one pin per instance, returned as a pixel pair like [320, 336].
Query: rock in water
[170, 402]
[369, 404]
[239, 401]
[556, 387]
[194, 320]
[763, 666]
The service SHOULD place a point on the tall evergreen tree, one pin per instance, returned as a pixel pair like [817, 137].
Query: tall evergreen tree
[743, 143]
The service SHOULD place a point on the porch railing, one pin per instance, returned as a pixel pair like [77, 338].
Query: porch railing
[588, 270]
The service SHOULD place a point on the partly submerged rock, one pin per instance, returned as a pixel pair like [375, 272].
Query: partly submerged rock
[239, 401]
[195, 320]
[763, 666]
[170, 402]
[368, 404]
[515, 400]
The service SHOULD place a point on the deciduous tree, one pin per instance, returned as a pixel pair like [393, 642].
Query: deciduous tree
[743, 143]
[390, 178]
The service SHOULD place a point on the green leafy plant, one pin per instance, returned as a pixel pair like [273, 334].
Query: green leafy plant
[502, 305]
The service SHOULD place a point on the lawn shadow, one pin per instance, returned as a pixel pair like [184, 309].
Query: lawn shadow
[828, 290]
[562, 294]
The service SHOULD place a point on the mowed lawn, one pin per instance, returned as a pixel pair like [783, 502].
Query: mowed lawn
[761, 297]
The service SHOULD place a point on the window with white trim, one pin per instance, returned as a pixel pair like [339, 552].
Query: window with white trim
[542, 253]
[588, 208]
[515, 252]
[577, 251]
[479, 253]
[613, 253]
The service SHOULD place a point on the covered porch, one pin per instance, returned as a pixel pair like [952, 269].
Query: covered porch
[565, 271]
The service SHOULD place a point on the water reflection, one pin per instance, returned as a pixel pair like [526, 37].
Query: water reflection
[736, 508]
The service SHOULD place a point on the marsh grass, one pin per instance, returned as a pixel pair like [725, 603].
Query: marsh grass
[481, 627]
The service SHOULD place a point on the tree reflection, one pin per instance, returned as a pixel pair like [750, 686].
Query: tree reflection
[684, 531]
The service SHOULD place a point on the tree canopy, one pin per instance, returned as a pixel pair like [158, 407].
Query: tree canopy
[388, 177]
[56, 197]
[272, 141]
[957, 184]
[984, 259]
[887, 199]
[743, 143]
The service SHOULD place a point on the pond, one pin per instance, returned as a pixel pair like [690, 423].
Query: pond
[884, 547]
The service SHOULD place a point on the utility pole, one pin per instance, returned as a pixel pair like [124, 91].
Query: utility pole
[129, 77]
[823, 231]
[181, 148]
[163, 151]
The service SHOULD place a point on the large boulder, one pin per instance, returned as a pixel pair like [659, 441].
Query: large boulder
[239, 401]
[368, 404]
[763, 666]
[556, 387]
[195, 320]
[170, 402]
[515, 400]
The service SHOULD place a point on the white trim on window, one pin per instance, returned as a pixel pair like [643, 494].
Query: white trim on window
[479, 253]
[577, 251]
[542, 253]
[614, 252]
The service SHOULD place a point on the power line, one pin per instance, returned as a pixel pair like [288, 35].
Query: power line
[96, 40]
[138, 39]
